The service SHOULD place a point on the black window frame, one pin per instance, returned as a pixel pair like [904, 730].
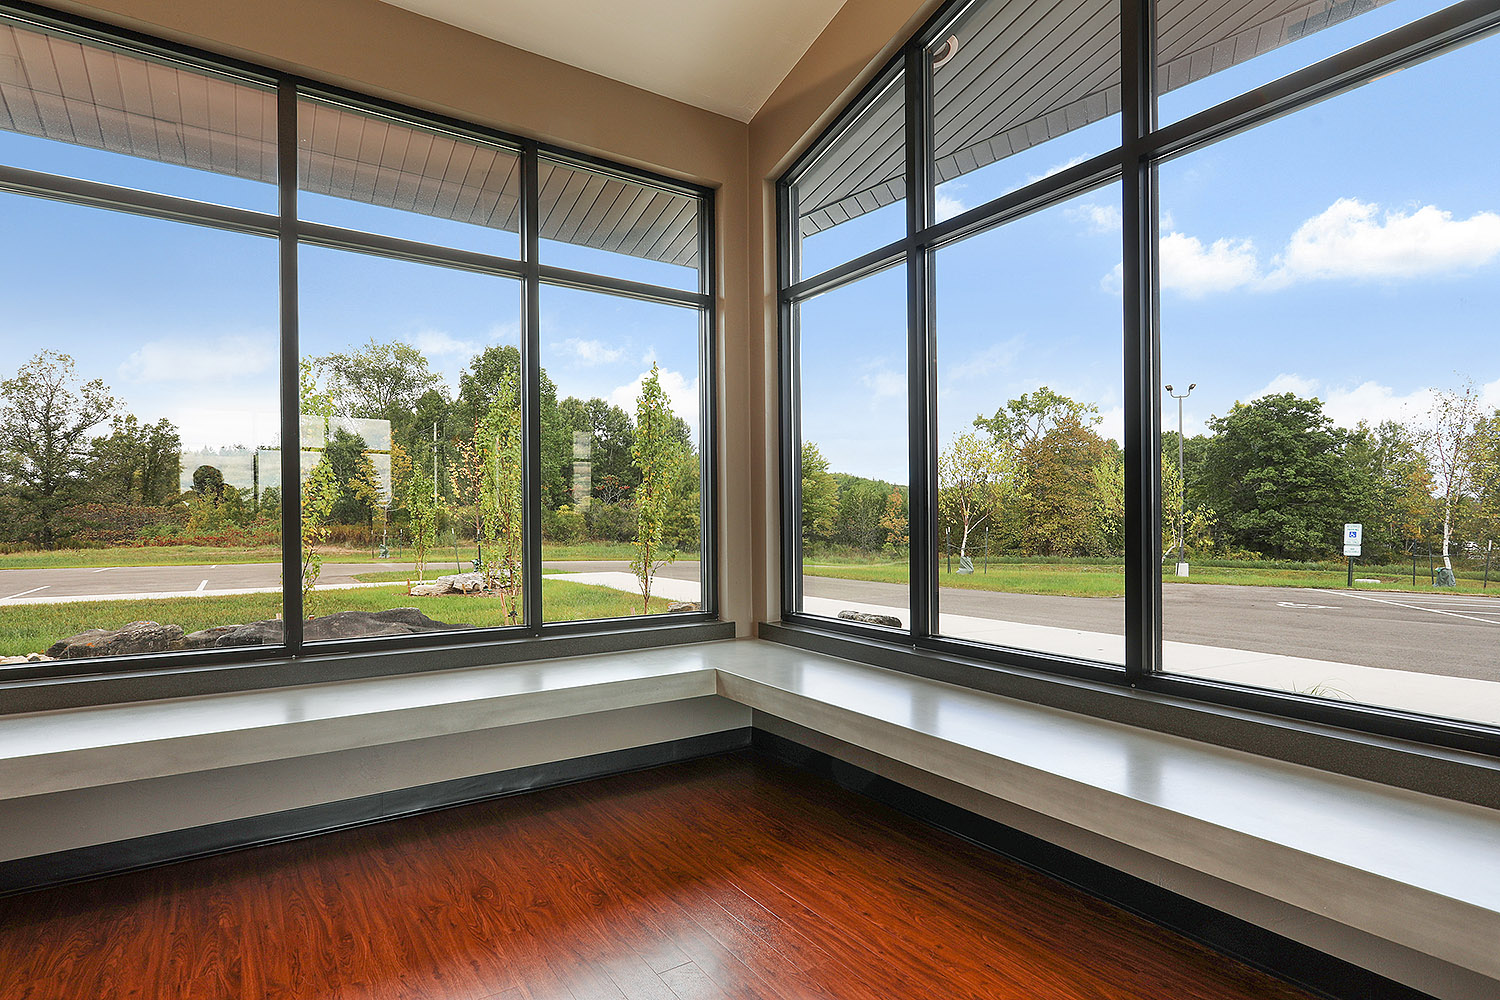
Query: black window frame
[1133, 162]
[290, 232]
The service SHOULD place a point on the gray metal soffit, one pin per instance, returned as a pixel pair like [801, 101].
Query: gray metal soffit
[55, 86]
[1026, 71]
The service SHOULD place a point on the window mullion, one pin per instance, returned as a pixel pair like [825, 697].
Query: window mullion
[292, 612]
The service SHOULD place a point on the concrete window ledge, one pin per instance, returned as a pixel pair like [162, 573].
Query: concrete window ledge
[1414, 870]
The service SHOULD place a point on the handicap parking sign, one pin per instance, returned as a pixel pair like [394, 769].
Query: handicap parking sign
[1353, 538]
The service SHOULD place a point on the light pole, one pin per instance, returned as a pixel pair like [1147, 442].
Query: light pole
[1181, 480]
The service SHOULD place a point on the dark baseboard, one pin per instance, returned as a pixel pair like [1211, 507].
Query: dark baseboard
[1282, 957]
[48, 870]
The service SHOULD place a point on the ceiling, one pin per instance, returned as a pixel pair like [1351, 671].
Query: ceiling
[725, 56]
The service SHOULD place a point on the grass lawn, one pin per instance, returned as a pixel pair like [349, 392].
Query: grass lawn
[31, 628]
[441, 559]
[1077, 579]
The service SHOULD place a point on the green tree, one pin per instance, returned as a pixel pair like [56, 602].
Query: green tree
[975, 479]
[1278, 476]
[422, 510]
[657, 453]
[498, 440]
[894, 522]
[377, 381]
[1450, 439]
[820, 496]
[46, 414]
[1030, 417]
[319, 493]
[478, 387]
[136, 463]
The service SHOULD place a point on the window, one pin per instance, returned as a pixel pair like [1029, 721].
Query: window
[1157, 375]
[275, 370]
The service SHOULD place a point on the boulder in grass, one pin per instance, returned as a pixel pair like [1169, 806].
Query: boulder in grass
[464, 583]
[343, 625]
[680, 606]
[864, 618]
[207, 638]
[436, 588]
[137, 637]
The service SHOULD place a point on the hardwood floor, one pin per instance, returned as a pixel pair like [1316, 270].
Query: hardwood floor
[722, 878]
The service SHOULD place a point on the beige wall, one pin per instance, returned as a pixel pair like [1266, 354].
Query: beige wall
[856, 43]
[377, 49]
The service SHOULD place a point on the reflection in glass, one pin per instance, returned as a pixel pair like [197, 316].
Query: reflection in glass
[411, 447]
[137, 514]
[851, 198]
[621, 485]
[382, 175]
[608, 224]
[854, 518]
[93, 112]
[1021, 91]
[1330, 282]
[1031, 474]
[1210, 53]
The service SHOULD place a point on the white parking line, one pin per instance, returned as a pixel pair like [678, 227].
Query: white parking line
[202, 585]
[104, 570]
[25, 592]
[1409, 607]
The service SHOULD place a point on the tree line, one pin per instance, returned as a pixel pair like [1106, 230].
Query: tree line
[75, 469]
[1274, 478]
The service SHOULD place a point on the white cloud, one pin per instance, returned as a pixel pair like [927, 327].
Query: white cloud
[439, 344]
[946, 203]
[1102, 219]
[1368, 401]
[1057, 168]
[1287, 382]
[1112, 423]
[593, 352]
[1187, 266]
[993, 359]
[682, 394]
[883, 383]
[1114, 281]
[229, 356]
[1350, 239]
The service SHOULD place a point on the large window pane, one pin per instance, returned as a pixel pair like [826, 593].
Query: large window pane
[1330, 282]
[1207, 53]
[851, 198]
[621, 440]
[74, 107]
[138, 433]
[381, 175]
[854, 530]
[1021, 90]
[411, 447]
[607, 224]
[1031, 487]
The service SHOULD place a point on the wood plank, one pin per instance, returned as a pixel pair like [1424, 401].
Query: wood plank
[723, 879]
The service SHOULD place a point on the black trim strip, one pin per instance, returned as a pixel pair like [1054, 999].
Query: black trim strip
[567, 278]
[50, 870]
[337, 238]
[94, 194]
[1239, 939]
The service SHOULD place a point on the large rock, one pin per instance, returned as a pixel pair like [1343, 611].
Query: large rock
[678, 606]
[206, 638]
[137, 637]
[343, 625]
[266, 633]
[464, 583]
[436, 588]
[864, 618]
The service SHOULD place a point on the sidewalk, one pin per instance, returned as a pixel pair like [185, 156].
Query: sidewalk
[1411, 691]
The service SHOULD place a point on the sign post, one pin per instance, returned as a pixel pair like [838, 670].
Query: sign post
[1353, 540]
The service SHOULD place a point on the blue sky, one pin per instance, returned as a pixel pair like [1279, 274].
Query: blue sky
[1350, 251]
